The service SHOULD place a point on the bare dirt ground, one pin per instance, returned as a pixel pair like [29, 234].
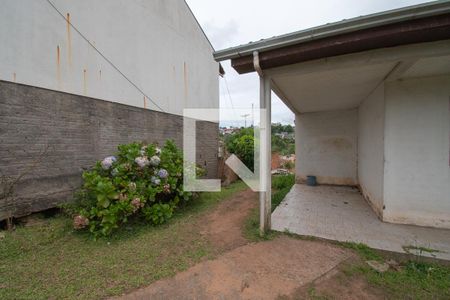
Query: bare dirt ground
[284, 267]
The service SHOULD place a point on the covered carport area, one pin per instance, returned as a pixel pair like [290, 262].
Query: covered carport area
[371, 99]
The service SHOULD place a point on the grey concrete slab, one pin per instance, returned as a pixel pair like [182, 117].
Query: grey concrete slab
[342, 214]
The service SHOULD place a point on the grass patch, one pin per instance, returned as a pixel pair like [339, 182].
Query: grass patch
[281, 185]
[363, 250]
[411, 280]
[51, 260]
[414, 280]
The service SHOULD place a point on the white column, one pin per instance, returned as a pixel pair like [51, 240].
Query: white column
[265, 155]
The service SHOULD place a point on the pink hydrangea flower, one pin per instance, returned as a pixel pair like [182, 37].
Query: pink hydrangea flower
[166, 188]
[142, 161]
[136, 203]
[79, 222]
[122, 197]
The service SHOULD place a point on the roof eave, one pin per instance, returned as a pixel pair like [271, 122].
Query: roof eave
[338, 28]
[415, 31]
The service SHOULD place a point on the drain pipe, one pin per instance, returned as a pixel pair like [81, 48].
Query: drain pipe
[256, 64]
[264, 152]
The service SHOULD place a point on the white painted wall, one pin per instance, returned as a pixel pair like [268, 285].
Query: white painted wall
[371, 148]
[157, 44]
[326, 146]
[417, 172]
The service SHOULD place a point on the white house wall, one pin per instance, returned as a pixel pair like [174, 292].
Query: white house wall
[157, 44]
[326, 146]
[417, 172]
[371, 148]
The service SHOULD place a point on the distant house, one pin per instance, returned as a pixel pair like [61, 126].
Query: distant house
[85, 76]
[371, 97]
[229, 130]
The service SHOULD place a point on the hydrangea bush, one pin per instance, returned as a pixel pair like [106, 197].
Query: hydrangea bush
[141, 180]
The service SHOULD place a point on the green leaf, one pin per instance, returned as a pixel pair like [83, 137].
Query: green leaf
[104, 202]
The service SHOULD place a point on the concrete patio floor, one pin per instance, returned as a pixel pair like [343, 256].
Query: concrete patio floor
[342, 214]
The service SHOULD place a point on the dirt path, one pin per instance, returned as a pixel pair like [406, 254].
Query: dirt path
[265, 270]
[223, 227]
[282, 267]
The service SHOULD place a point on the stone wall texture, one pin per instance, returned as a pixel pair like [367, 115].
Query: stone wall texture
[77, 131]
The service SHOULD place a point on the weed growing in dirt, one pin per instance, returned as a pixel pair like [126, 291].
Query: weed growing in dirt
[419, 250]
[251, 229]
[363, 250]
[313, 295]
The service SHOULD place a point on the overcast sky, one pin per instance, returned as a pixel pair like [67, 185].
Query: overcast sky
[233, 22]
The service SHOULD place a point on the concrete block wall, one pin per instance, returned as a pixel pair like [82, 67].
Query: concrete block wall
[79, 131]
